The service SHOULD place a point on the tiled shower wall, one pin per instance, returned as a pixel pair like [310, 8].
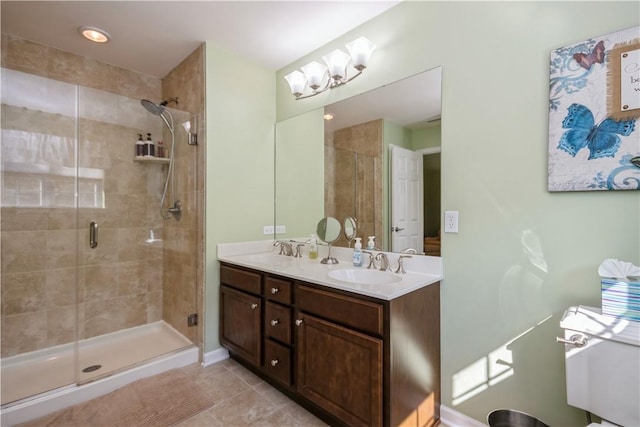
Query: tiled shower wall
[184, 240]
[353, 178]
[44, 237]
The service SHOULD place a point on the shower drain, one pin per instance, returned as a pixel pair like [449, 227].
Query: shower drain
[92, 368]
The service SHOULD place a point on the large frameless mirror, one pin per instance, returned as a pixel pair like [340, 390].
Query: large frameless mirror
[376, 161]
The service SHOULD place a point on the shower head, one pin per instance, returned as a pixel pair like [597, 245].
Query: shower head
[154, 108]
[151, 107]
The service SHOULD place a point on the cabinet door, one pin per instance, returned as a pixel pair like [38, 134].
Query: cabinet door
[340, 370]
[240, 323]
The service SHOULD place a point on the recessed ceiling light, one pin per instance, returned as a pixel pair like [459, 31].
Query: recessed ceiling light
[94, 34]
[328, 116]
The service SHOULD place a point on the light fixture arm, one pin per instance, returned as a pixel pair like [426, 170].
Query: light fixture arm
[331, 83]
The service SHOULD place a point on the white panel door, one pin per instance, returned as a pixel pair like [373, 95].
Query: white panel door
[407, 204]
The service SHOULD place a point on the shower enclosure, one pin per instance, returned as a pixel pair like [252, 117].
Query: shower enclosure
[94, 280]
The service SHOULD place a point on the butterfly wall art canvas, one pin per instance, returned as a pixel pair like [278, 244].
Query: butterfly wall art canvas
[594, 140]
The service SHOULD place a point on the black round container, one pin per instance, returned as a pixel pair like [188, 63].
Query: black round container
[511, 418]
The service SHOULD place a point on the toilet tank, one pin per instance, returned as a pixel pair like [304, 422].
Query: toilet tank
[603, 376]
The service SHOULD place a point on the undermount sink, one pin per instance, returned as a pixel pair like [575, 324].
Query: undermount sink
[364, 276]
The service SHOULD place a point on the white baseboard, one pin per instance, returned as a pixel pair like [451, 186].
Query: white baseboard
[215, 356]
[453, 418]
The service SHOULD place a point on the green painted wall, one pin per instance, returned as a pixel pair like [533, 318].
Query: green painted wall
[240, 116]
[426, 138]
[300, 157]
[522, 254]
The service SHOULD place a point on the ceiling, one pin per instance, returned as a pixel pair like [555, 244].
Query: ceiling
[152, 37]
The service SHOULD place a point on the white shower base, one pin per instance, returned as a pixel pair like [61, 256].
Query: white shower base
[125, 356]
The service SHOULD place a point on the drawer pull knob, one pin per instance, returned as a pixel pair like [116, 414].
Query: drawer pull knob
[254, 306]
[274, 322]
[274, 362]
[274, 291]
[298, 322]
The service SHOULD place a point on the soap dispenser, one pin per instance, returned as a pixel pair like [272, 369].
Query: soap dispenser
[357, 253]
[149, 147]
[139, 146]
[371, 244]
[313, 247]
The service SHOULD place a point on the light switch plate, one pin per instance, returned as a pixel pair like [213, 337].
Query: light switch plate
[267, 229]
[451, 221]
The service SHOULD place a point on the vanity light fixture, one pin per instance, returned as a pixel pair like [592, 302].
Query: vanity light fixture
[320, 77]
[94, 34]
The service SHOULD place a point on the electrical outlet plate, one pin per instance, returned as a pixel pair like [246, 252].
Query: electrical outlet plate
[267, 230]
[451, 221]
[281, 229]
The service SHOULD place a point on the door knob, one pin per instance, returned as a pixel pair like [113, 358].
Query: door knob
[396, 229]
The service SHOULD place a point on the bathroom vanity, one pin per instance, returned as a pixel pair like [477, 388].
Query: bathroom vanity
[352, 353]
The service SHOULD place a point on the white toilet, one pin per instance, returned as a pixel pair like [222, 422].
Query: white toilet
[602, 358]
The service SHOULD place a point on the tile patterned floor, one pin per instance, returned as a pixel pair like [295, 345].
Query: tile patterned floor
[243, 399]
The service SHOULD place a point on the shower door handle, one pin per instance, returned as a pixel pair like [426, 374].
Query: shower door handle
[93, 234]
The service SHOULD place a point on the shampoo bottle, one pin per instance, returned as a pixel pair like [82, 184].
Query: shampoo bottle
[357, 253]
[313, 247]
[371, 244]
[150, 151]
[139, 146]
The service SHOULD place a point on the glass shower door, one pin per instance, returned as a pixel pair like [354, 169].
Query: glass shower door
[39, 234]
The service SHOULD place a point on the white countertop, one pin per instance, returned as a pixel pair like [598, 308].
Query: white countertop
[421, 270]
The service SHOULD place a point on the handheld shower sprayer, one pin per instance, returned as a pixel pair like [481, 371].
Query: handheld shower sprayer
[174, 211]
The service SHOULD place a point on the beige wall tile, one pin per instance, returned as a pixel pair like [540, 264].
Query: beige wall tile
[101, 282]
[62, 287]
[24, 332]
[23, 219]
[132, 278]
[61, 325]
[23, 293]
[26, 56]
[23, 251]
[61, 248]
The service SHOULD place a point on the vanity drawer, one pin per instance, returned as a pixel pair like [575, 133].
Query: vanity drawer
[353, 312]
[277, 322]
[277, 361]
[278, 290]
[241, 279]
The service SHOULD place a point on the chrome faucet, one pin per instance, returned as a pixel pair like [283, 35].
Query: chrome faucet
[285, 247]
[400, 268]
[298, 246]
[384, 261]
[372, 263]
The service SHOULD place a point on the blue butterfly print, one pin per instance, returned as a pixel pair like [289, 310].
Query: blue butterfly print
[602, 140]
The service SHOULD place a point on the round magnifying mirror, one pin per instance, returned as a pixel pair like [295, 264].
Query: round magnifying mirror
[350, 229]
[329, 231]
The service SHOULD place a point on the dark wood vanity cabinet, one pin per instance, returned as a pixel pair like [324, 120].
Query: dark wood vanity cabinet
[241, 313]
[352, 360]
